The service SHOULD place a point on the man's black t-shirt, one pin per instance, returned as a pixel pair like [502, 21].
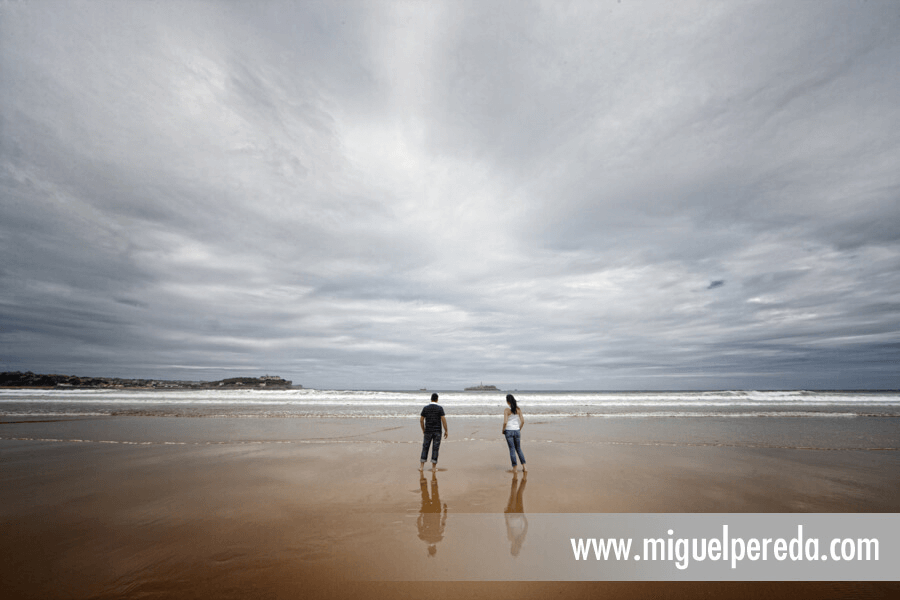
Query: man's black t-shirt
[433, 413]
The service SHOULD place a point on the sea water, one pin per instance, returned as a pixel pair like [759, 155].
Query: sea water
[310, 403]
[807, 420]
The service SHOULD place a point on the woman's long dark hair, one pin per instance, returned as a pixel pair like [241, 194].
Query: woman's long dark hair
[512, 404]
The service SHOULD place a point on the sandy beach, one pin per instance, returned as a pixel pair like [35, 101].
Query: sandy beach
[128, 507]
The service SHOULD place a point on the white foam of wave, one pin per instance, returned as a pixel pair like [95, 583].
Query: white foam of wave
[408, 399]
[377, 404]
[328, 415]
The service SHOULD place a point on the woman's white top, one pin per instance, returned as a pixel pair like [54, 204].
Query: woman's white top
[512, 423]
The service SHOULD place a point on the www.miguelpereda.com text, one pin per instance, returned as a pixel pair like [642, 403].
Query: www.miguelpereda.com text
[682, 550]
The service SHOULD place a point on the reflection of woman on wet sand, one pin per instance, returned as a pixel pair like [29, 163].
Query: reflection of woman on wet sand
[516, 523]
[432, 515]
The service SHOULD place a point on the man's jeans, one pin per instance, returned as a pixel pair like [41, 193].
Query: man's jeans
[433, 439]
[514, 441]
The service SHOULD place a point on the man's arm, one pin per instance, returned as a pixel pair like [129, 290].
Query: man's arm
[422, 423]
[444, 423]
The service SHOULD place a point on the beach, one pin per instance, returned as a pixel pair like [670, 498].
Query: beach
[143, 506]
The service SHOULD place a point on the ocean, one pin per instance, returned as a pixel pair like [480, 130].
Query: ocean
[312, 404]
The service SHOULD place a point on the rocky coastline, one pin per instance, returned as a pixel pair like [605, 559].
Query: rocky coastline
[17, 379]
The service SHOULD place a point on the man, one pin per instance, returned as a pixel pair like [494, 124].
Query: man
[431, 420]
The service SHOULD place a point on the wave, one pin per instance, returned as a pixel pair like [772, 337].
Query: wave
[385, 404]
[344, 415]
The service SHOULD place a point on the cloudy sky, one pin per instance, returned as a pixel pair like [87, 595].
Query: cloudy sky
[559, 195]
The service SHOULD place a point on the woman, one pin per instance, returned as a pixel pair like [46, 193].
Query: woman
[513, 421]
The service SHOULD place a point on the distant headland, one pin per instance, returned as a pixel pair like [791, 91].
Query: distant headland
[32, 380]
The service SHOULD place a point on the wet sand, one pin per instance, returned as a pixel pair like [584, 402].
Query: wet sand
[281, 508]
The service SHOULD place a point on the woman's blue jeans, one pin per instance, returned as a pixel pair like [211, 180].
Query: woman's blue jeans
[514, 441]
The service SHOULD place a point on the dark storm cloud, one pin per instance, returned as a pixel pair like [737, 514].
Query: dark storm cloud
[404, 194]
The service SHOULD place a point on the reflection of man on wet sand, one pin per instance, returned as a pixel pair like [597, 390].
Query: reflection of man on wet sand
[432, 515]
[516, 523]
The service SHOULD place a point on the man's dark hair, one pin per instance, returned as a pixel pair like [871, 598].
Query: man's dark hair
[434, 397]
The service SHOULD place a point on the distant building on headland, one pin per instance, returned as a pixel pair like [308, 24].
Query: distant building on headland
[481, 388]
[266, 381]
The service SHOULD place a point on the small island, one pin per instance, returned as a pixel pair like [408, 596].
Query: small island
[481, 388]
[17, 379]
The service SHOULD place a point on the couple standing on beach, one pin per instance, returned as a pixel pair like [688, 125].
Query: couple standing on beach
[433, 421]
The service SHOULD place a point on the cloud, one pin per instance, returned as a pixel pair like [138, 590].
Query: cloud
[395, 195]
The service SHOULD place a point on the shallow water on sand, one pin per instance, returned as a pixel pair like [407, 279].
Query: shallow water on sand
[141, 506]
[818, 433]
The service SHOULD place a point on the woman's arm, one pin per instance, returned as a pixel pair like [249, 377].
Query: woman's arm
[521, 420]
[506, 414]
